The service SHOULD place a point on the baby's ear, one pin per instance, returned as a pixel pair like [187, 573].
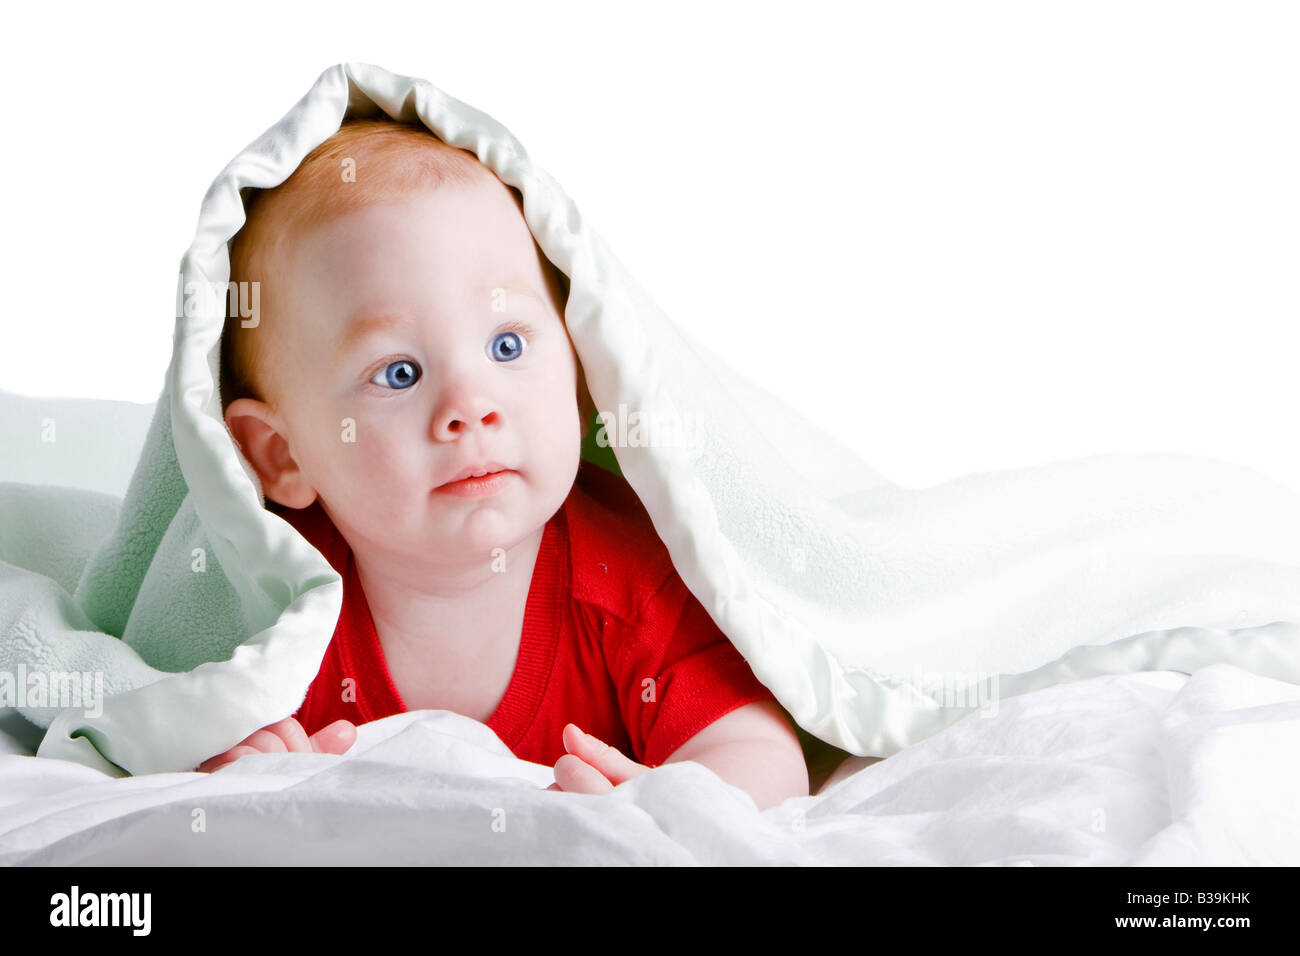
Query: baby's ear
[257, 430]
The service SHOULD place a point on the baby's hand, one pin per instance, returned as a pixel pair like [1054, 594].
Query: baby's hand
[592, 766]
[287, 736]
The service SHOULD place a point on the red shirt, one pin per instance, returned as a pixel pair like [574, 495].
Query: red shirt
[612, 639]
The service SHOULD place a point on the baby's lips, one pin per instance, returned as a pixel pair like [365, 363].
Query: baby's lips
[471, 471]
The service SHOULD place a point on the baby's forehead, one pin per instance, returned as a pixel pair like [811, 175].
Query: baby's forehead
[460, 214]
[313, 242]
[480, 226]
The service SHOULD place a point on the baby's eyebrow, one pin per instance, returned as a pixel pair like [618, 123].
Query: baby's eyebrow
[362, 325]
[515, 286]
[368, 325]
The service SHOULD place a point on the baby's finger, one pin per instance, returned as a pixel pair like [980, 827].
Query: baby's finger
[614, 765]
[337, 738]
[294, 737]
[220, 760]
[266, 742]
[212, 763]
[576, 776]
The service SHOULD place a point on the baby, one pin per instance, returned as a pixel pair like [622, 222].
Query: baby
[412, 403]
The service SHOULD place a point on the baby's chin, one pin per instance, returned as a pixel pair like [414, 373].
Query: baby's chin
[499, 521]
[453, 545]
[434, 526]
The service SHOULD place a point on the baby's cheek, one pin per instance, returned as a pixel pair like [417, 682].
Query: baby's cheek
[355, 462]
[555, 446]
[385, 469]
[564, 426]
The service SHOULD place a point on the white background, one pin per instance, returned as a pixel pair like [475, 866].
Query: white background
[964, 236]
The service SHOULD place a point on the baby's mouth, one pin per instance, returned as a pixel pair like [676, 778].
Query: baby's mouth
[476, 471]
[476, 482]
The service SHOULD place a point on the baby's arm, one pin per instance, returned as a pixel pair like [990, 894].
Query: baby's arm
[754, 747]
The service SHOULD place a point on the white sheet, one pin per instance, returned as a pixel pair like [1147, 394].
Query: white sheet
[1147, 769]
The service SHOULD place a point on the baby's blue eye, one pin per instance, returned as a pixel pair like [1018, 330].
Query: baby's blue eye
[400, 374]
[506, 347]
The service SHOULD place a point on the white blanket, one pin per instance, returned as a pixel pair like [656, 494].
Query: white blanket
[1145, 769]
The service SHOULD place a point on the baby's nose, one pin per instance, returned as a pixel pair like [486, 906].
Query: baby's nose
[465, 413]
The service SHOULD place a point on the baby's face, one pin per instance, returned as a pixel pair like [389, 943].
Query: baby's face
[426, 338]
